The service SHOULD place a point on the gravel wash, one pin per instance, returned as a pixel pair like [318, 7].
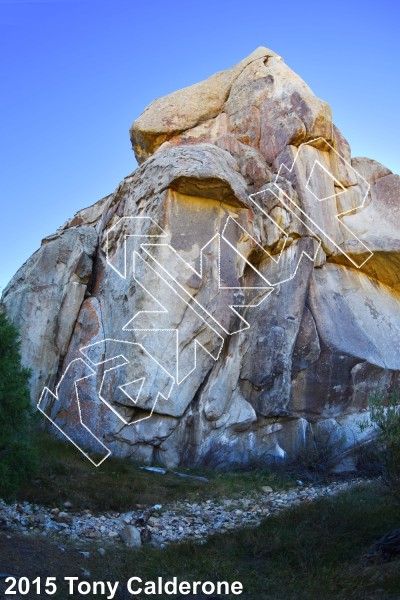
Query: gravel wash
[161, 525]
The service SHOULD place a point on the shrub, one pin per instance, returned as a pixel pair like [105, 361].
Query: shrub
[368, 462]
[314, 461]
[384, 419]
[18, 453]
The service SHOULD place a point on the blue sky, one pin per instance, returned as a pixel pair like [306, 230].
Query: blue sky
[76, 73]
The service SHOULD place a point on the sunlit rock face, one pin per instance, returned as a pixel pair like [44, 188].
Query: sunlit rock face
[236, 297]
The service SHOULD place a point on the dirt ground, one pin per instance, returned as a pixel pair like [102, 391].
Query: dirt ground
[35, 556]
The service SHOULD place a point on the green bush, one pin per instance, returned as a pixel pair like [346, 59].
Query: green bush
[18, 453]
[384, 419]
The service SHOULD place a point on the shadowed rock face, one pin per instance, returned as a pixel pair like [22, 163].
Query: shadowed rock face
[264, 308]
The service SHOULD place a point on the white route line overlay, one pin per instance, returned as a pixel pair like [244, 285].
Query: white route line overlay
[165, 311]
[56, 397]
[216, 238]
[338, 216]
[92, 372]
[161, 233]
[268, 288]
[84, 351]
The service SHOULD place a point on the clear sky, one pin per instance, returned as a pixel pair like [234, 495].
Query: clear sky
[76, 73]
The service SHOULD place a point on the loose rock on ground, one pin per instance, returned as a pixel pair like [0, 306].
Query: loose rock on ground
[158, 525]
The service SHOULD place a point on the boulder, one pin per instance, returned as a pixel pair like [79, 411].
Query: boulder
[130, 535]
[236, 296]
[184, 109]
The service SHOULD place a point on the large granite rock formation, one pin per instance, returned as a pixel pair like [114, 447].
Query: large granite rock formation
[236, 296]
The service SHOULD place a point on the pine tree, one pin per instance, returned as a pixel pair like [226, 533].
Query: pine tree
[18, 453]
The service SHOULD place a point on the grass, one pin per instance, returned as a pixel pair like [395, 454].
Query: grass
[119, 485]
[311, 552]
